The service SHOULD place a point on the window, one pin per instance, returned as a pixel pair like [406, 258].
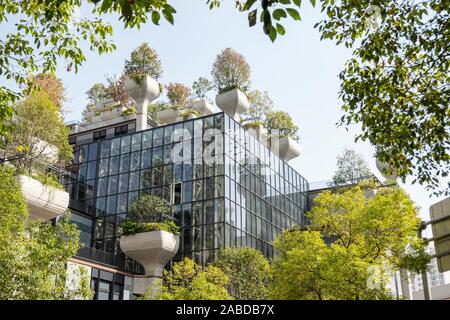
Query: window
[121, 130]
[99, 135]
[72, 139]
[176, 194]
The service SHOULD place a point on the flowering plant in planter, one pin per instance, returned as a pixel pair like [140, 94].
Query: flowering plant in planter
[280, 124]
[148, 213]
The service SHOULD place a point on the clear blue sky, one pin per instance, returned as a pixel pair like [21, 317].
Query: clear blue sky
[299, 71]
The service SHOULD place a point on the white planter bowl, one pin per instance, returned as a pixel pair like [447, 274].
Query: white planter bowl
[142, 92]
[152, 249]
[286, 148]
[44, 202]
[168, 115]
[233, 102]
[204, 107]
[385, 169]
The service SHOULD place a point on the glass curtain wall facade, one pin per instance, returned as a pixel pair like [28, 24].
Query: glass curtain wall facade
[223, 186]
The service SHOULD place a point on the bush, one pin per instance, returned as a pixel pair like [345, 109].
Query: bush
[280, 124]
[148, 213]
[178, 94]
[144, 61]
[230, 71]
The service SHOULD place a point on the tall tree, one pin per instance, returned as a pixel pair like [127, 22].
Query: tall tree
[351, 168]
[369, 237]
[260, 105]
[33, 255]
[248, 271]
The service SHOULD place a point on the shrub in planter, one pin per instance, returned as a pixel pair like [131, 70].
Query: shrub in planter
[253, 124]
[178, 94]
[201, 87]
[189, 113]
[144, 61]
[280, 124]
[129, 111]
[260, 105]
[148, 213]
[230, 71]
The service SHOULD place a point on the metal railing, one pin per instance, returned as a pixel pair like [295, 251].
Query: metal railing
[325, 184]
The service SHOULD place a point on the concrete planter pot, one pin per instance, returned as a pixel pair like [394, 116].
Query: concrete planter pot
[143, 92]
[286, 148]
[153, 250]
[169, 115]
[385, 169]
[44, 202]
[233, 102]
[204, 107]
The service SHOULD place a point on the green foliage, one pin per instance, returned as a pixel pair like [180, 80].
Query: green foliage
[178, 95]
[190, 281]
[188, 112]
[97, 93]
[37, 127]
[351, 168]
[378, 233]
[144, 61]
[131, 227]
[201, 87]
[53, 87]
[280, 124]
[230, 71]
[148, 208]
[260, 105]
[48, 179]
[248, 271]
[148, 213]
[129, 111]
[33, 255]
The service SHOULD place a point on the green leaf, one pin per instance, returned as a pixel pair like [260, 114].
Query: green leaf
[252, 17]
[248, 5]
[272, 34]
[168, 16]
[279, 13]
[285, 1]
[106, 4]
[155, 17]
[293, 13]
[280, 29]
[313, 2]
[298, 3]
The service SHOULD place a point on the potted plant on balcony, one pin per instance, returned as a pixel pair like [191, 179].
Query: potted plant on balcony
[283, 135]
[201, 102]
[178, 95]
[231, 78]
[142, 72]
[150, 237]
[39, 136]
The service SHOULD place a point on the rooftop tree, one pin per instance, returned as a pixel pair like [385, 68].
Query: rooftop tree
[351, 168]
[144, 61]
[280, 124]
[178, 95]
[260, 106]
[230, 71]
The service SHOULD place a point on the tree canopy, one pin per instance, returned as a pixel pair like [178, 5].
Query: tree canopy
[351, 168]
[248, 271]
[33, 254]
[349, 247]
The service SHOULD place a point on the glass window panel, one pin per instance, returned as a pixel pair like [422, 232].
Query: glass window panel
[100, 206]
[91, 170]
[189, 130]
[209, 188]
[218, 210]
[125, 163]
[146, 177]
[157, 156]
[187, 171]
[198, 190]
[111, 205]
[178, 173]
[168, 174]
[198, 170]
[136, 141]
[82, 153]
[147, 139]
[125, 144]
[132, 196]
[209, 236]
[112, 184]
[187, 215]
[134, 181]
[93, 151]
[102, 186]
[123, 182]
[209, 212]
[82, 170]
[122, 203]
[135, 162]
[157, 177]
[146, 159]
[158, 136]
[115, 147]
[187, 192]
[114, 165]
[168, 131]
[198, 128]
[197, 214]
